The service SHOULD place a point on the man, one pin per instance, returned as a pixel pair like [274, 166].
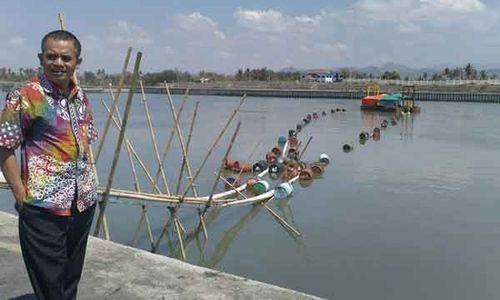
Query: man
[55, 191]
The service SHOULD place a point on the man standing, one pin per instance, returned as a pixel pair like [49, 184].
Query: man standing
[55, 191]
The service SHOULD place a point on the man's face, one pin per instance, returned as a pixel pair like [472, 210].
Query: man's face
[59, 61]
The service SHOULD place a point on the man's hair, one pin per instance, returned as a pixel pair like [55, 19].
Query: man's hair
[62, 35]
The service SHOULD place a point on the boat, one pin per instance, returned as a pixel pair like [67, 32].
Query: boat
[398, 102]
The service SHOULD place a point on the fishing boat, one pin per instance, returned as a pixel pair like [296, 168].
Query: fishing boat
[398, 102]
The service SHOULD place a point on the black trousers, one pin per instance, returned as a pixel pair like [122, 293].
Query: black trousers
[53, 249]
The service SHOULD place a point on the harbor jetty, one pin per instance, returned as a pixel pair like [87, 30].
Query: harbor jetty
[114, 271]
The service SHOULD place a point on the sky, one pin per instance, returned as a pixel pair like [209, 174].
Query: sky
[223, 35]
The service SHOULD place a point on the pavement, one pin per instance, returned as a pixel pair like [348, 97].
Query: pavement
[116, 272]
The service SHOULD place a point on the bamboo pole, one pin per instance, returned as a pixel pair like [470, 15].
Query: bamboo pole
[233, 138]
[103, 203]
[179, 237]
[305, 147]
[115, 103]
[215, 144]
[61, 21]
[188, 144]
[171, 136]
[181, 140]
[118, 125]
[153, 138]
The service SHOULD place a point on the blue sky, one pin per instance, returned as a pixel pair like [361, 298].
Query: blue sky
[225, 35]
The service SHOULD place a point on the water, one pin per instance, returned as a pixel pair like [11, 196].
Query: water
[412, 216]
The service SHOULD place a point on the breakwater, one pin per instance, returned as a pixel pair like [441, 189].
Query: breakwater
[480, 97]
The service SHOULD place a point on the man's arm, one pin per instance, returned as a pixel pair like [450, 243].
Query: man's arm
[10, 169]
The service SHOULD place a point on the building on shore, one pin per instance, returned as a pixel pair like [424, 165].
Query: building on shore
[320, 75]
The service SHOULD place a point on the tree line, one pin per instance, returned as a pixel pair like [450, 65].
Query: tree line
[101, 78]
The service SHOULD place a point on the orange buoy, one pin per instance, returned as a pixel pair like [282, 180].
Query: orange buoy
[306, 174]
[277, 150]
[271, 157]
[317, 170]
[293, 141]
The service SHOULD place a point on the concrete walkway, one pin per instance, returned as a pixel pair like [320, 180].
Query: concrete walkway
[113, 271]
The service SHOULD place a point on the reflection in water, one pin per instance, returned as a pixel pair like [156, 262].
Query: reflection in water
[406, 122]
[222, 247]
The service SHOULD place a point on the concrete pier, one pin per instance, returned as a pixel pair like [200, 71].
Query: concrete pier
[114, 271]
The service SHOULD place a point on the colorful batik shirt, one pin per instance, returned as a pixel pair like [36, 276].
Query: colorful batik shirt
[54, 133]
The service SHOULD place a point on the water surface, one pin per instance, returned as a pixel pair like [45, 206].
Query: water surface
[411, 216]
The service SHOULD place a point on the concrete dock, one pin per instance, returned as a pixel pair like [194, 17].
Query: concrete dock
[114, 271]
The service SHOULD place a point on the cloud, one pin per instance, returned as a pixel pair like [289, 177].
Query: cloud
[16, 41]
[274, 21]
[199, 24]
[125, 33]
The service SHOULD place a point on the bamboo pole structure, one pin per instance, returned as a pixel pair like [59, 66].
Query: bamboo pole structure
[103, 203]
[115, 103]
[192, 180]
[171, 135]
[118, 125]
[153, 138]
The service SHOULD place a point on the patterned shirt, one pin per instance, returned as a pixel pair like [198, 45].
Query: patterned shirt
[54, 133]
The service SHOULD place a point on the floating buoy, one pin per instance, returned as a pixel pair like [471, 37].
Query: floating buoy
[229, 163]
[337, 109]
[317, 170]
[241, 167]
[384, 124]
[323, 158]
[252, 181]
[394, 122]
[364, 135]
[299, 128]
[277, 151]
[276, 168]
[230, 180]
[292, 132]
[332, 111]
[323, 113]
[309, 117]
[293, 141]
[260, 187]
[293, 152]
[376, 129]
[315, 116]
[284, 190]
[343, 109]
[306, 174]
[271, 157]
[347, 147]
[289, 173]
[281, 140]
[259, 166]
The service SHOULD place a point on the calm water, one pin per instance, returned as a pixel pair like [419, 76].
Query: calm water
[412, 216]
